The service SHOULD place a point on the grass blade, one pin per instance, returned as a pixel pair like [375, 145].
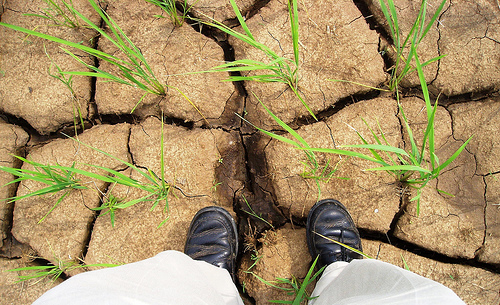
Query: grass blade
[379, 147]
[345, 246]
[450, 159]
[294, 24]
[241, 19]
[303, 102]
[400, 168]
[346, 153]
[300, 294]
[414, 149]
[54, 206]
[433, 19]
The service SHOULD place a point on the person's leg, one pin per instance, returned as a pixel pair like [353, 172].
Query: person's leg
[371, 281]
[349, 280]
[170, 277]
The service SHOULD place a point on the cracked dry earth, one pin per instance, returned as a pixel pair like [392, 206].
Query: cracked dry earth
[220, 160]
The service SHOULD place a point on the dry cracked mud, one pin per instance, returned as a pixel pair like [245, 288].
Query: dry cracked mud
[215, 158]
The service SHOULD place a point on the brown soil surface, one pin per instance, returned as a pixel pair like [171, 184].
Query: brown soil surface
[218, 159]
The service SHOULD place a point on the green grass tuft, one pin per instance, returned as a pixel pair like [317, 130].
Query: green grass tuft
[404, 62]
[156, 188]
[134, 70]
[293, 286]
[413, 167]
[312, 167]
[57, 178]
[417, 33]
[109, 205]
[63, 179]
[170, 7]
[278, 69]
[53, 272]
[59, 12]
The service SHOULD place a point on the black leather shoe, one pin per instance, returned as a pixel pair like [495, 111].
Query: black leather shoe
[330, 218]
[213, 238]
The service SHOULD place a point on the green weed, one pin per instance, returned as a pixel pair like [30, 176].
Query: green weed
[419, 30]
[252, 213]
[53, 272]
[134, 69]
[404, 263]
[215, 184]
[170, 7]
[68, 82]
[312, 167]
[403, 65]
[156, 188]
[279, 69]
[255, 257]
[57, 178]
[345, 246]
[110, 204]
[63, 179]
[60, 13]
[411, 167]
[360, 252]
[293, 286]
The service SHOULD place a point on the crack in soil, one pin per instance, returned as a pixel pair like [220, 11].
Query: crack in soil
[90, 227]
[335, 108]
[485, 36]
[404, 196]
[423, 252]
[9, 215]
[474, 96]
[255, 8]
[477, 252]
[373, 24]
[491, 173]
[93, 113]
[35, 138]
[438, 41]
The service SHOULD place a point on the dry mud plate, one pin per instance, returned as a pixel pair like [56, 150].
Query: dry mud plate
[212, 157]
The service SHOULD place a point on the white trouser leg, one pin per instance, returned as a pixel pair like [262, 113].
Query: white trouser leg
[371, 281]
[170, 277]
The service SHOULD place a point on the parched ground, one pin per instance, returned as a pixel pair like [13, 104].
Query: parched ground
[218, 159]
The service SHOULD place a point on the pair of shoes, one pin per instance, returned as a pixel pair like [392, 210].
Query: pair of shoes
[213, 237]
